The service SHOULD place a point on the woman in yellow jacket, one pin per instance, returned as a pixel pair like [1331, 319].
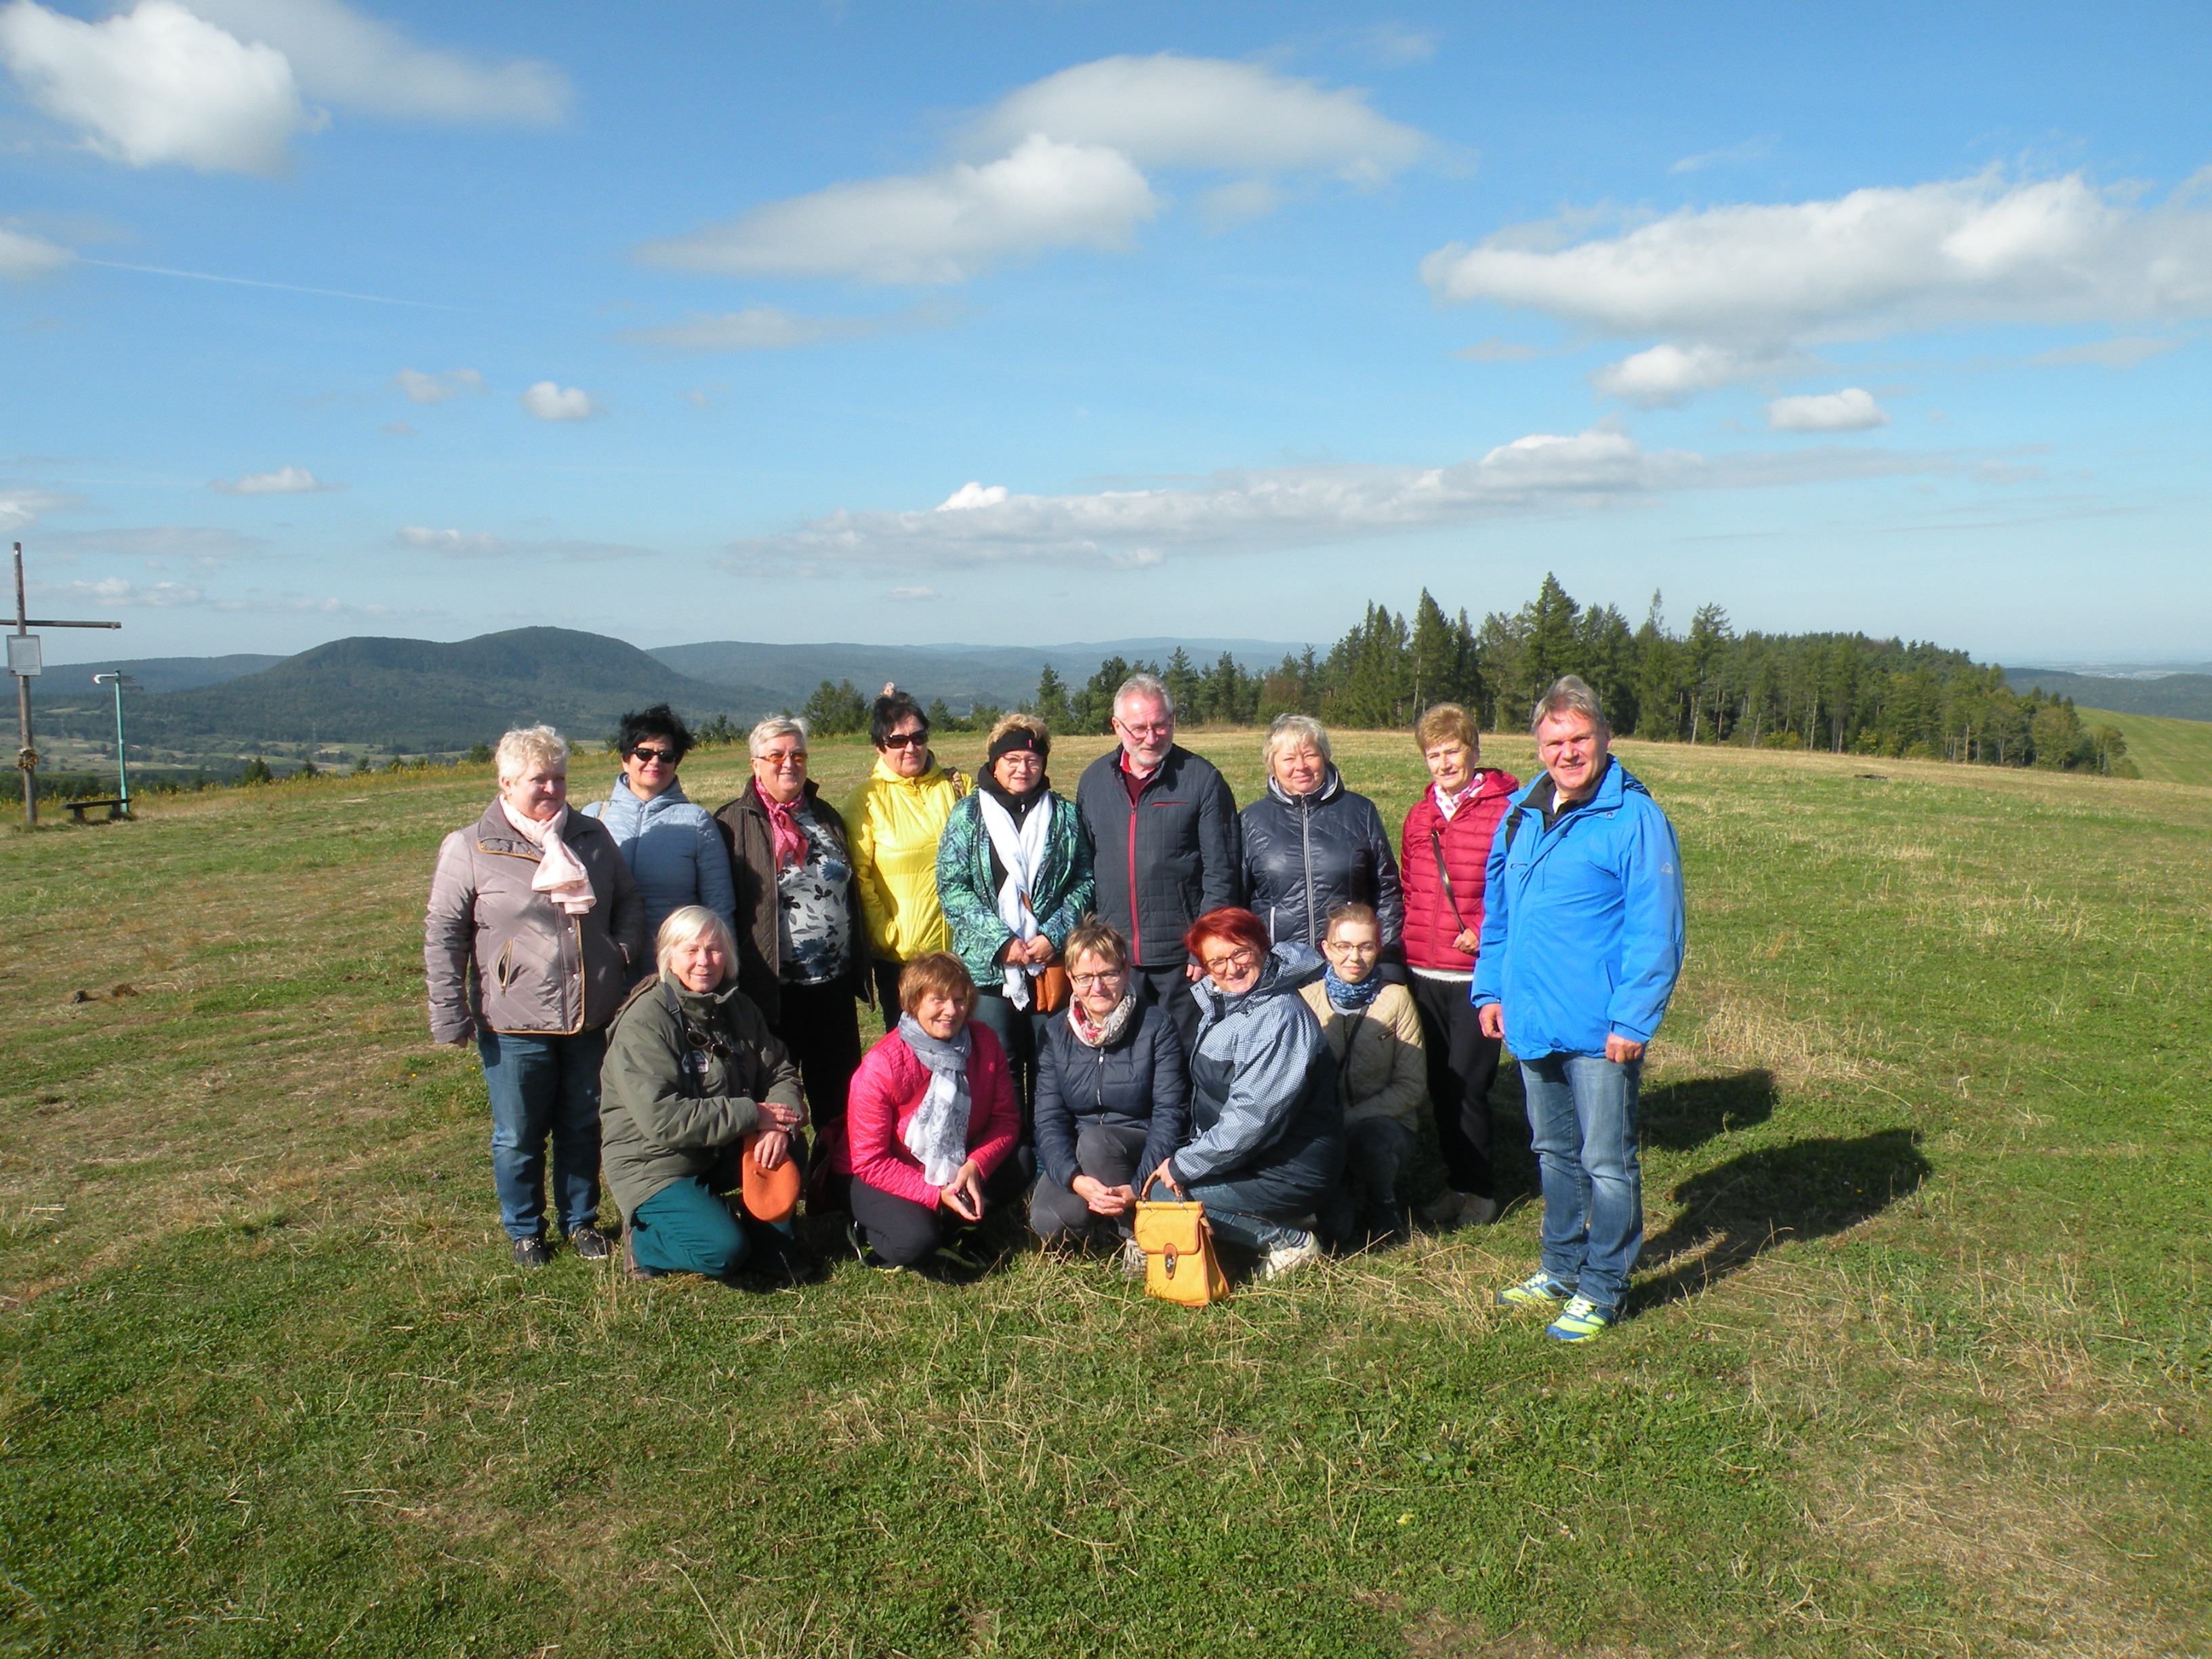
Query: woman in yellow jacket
[893, 822]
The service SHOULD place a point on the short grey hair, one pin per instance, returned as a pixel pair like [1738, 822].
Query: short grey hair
[1290, 731]
[1150, 687]
[1570, 693]
[775, 726]
[527, 746]
[689, 923]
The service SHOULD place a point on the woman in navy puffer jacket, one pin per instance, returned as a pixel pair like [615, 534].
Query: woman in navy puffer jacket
[1310, 845]
[673, 846]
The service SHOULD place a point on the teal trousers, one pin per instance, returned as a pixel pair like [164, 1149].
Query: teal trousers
[685, 1228]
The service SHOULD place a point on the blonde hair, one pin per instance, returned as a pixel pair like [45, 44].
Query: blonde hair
[1290, 730]
[1352, 915]
[1093, 938]
[1018, 722]
[687, 924]
[1444, 721]
[935, 970]
[527, 746]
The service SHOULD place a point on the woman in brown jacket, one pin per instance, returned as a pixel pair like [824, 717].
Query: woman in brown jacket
[533, 922]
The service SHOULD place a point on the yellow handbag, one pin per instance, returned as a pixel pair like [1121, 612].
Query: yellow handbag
[1179, 1263]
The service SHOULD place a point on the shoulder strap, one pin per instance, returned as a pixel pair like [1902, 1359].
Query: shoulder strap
[1444, 875]
[1512, 828]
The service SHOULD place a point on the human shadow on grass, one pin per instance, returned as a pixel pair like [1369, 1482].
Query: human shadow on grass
[1681, 1116]
[1734, 1212]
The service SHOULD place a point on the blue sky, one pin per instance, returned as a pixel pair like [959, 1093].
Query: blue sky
[698, 322]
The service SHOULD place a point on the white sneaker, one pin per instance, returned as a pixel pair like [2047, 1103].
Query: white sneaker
[1282, 1258]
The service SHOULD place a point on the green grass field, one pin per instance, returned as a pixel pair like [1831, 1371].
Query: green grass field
[2171, 751]
[1918, 1363]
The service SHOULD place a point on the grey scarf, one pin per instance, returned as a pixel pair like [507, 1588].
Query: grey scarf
[937, 1134]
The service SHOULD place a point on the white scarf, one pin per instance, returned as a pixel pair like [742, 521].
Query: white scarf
[561, 875]
[937, 1134]
[1022, 851]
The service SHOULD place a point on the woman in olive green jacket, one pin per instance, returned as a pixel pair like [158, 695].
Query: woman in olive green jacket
[698, 1102]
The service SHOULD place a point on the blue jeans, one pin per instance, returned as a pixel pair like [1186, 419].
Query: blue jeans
[541, 1084]
[1257, 1212]
[1582, 1109]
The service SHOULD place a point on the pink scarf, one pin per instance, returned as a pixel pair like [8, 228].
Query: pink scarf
[560, 875]
[1448, 805]
[783, 825]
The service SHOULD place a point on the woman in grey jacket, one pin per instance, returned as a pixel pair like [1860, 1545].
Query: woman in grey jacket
[533, 924]
[671, 844]
[1267, 1129]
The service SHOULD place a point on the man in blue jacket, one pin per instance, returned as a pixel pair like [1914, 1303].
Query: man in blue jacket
[1581, 943]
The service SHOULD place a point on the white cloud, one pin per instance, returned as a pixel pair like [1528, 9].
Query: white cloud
[973, 494]
[114, 592]
[2107, 353]
[915, 593]
[550, 402]
[1394, 45]
[1169, 112]
[1751, 149]
[1667, 375]
[157, 84]
[456, 544]
[360, 62]
[400, 429]
[285, 481]
[941, 226]
[1262, 511]
[165, 541]
[1851, 410]
[24, 257]
[20, 507]
[436, 388]
[1863, 265]
[771, 328]
[482, 545]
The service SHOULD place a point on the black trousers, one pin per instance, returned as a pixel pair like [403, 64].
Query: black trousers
[819, 1025]
[1170, 988]
[1462, 1065]
[1105, 1152]
[903, 1232]
[887, 978]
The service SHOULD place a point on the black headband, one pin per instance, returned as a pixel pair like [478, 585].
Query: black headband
[1015, 737]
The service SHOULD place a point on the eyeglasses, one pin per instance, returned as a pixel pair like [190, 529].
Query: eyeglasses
[655, 757]
[1094, 981]
[907, 740]
[1231, 962]
[783, 758]
[1157, 729]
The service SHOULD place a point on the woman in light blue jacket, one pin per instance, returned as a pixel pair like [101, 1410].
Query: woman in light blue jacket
[673, 847]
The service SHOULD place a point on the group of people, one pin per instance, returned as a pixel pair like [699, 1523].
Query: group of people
[1087, 1000]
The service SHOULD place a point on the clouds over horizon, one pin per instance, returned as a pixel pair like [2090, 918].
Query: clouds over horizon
[1280, 508]
[1738, 292]
[285, 481]
[221, 86]
[1062, 163]
[469, 545]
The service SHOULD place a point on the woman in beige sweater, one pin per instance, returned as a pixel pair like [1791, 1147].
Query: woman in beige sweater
[1374, 1031]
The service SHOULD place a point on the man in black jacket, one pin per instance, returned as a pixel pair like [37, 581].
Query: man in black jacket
[1164, 844]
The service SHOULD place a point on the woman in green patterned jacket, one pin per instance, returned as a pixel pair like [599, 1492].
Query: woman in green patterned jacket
[1013, 876]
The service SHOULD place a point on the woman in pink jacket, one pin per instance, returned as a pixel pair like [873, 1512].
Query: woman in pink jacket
[1441, 862]
[932, 1131]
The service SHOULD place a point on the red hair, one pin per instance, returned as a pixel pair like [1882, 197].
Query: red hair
[1232, 925]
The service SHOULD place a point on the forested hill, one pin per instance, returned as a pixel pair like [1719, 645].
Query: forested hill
[69, 682]
[2176, 696]
[414, 696]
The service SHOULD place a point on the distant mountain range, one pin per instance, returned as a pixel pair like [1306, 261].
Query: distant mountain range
[2177, 697]
[414, 696]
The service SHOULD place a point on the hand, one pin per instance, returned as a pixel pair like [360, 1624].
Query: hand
[771, 1149]
[1040, 951]
[1491, 1017]
[775, 1115]
[1466, 941]
[964, 1194]
[1619, 1051]
[1191, 970]
[1165, 1176]
[1101, 1198]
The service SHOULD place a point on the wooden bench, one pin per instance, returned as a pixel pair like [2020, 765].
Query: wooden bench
[116, 809]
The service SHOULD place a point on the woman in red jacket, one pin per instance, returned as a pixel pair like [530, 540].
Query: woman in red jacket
[1440, 861]
[932, 1126]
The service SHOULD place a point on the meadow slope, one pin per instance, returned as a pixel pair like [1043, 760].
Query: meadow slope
[1920, 1359]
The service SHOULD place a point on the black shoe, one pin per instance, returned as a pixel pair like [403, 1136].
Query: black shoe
[531, 1253]
[863, 1252]
[590, 1244]
[782, 1259]
[1385, 1225]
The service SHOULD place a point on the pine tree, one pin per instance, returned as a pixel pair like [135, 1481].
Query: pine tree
[1050, 704]
[1445, 667]
[834, 711]
[1186, 688]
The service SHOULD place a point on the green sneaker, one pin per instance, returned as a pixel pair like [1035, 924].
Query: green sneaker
[1539, 1290]
[1579, 1320]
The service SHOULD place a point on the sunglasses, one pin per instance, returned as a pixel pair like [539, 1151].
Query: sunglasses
[783, 758]
[655, 757]
[906, 740]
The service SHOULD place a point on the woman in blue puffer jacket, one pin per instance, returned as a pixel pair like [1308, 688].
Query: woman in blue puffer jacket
[673, 847]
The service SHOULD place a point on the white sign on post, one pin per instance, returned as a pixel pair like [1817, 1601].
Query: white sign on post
[24, 660]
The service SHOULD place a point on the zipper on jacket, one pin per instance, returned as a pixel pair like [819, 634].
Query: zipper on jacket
[1136, 932]
[1305, 852]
